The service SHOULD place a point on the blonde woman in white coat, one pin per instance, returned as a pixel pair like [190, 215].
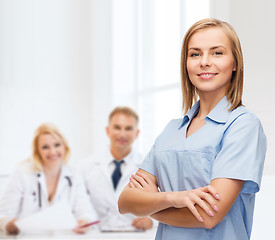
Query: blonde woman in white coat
[43, 180]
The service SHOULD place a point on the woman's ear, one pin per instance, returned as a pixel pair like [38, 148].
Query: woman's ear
[234, 67]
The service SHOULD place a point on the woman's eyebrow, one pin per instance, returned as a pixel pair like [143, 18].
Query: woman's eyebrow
[212, 48]
[215, 47]
[193, 48]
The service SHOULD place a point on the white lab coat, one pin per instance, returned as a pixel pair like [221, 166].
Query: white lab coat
[97, 176]
[21, 196]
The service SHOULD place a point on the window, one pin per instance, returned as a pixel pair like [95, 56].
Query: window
[152, 84]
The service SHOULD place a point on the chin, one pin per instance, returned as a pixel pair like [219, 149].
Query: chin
[54, 162]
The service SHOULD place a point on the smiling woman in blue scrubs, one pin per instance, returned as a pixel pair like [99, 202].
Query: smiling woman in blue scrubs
[200, 178]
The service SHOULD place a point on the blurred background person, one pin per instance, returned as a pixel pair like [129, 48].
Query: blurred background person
[43, 180]
[107, 173]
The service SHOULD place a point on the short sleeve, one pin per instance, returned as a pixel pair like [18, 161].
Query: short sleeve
[148, 164]
[242, 153]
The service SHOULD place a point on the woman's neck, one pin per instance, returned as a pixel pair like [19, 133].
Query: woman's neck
[52, 171]
[207, 103]
[52, 175]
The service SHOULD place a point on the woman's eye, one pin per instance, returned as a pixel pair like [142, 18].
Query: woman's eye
[217, 53]
[194, 54]
[45, 147]
[57, 144]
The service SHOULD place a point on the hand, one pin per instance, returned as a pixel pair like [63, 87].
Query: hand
[143, 223]
[143, 181]
[81, 230]
[204, 197]
[12, 228]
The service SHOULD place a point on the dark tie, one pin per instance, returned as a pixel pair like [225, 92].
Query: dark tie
[116, 173]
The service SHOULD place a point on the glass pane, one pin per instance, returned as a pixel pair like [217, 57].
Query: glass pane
[156, 110]
[160, 43]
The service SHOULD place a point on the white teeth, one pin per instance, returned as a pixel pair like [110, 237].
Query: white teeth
[207, 74]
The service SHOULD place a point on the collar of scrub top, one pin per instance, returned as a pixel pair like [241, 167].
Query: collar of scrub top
[65, 173]
[219, 113]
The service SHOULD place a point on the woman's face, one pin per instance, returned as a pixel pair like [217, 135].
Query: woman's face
[210, 61]
[51, 150]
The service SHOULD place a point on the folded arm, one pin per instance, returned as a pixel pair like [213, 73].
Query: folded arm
[228, 190]
[190, 209]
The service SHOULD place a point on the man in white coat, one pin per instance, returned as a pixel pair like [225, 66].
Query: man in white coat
[107, 173]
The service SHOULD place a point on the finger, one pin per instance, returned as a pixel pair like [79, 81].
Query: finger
[131, 185]
[79, 230]
[144, 176]
[148, 224]
[145, 223]
[139, 224]
[205, 207]
[135, 184]
[195, 212]
[135, 222]
[138, 219]
[213, 191]
[140, 180]
[210, 200]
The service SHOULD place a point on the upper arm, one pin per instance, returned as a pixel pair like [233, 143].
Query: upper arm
[238, 166]
[242, 153]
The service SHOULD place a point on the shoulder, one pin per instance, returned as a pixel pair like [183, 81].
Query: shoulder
[174, 124]
[87, 166]
[171, 127]
[24, 168]
[242, 116]
[23, 174]
[242, 123]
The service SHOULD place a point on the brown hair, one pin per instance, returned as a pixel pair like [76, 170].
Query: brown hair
[46, 128]
[124, 110]
[235, 88]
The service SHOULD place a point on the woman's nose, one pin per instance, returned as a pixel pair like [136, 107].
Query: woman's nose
[52, 150]
[205, 61]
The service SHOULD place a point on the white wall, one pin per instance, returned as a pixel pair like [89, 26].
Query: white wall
[34, 76]
[254, 22]
[55, 66]
[58, 62]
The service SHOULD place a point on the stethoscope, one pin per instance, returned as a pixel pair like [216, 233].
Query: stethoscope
[39, 188]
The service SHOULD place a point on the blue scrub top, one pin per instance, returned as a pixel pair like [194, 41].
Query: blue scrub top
[231, 144]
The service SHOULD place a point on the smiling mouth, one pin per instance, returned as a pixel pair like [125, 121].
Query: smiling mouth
[207, 74]
[121, 141]
[54, 158]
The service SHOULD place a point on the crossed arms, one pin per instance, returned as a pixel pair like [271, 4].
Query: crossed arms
[198, 208]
